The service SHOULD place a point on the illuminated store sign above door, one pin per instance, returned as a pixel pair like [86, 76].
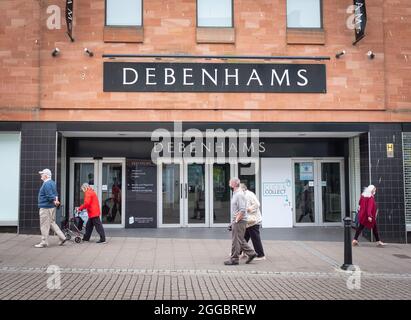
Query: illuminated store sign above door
[214, 77]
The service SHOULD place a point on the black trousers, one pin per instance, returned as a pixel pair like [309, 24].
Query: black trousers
[91, 223]
[361, 228]
[254, 233]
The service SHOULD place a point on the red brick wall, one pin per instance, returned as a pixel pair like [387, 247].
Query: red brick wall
[397, 37]
[19, 54]
[359, 89]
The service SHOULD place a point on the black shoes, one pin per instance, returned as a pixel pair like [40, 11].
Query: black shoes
[231, 263]
[99, 241]
[251, 258]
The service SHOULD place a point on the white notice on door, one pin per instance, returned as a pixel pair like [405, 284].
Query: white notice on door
[311, 183]
[104, 187]
[276, 195]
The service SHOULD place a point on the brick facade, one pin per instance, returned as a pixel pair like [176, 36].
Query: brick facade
[36, 86]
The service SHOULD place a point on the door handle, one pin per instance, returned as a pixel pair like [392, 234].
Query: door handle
[181, 191]
[186, 191]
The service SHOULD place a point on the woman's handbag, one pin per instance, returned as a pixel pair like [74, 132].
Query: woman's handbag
[251, 220]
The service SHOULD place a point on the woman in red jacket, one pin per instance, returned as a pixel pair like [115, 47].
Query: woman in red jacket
[91, 204]
[368, 215]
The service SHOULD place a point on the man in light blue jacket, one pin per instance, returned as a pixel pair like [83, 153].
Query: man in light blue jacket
[47, 202]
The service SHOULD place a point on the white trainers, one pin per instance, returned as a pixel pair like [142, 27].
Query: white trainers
[41, 245]
[259, 258]
[380, 244]
[354, 243]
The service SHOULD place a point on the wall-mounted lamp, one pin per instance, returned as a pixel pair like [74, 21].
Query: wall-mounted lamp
[89, 52]
[370, 54]
[340, 54]
[55, 52]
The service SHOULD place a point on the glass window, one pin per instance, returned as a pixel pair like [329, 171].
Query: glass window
[171, 194]
[124, 12]
[9, 191]
[214, 13]
[304, 14]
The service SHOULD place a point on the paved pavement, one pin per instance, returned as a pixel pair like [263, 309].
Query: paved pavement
[189, 267]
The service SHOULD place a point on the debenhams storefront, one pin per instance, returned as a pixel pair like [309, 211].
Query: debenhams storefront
[173, 174]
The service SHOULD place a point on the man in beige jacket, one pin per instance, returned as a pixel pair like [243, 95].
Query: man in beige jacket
[254, 222]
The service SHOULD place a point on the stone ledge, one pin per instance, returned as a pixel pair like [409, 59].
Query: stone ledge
[306, 36]
[215, 35]
[123, 34]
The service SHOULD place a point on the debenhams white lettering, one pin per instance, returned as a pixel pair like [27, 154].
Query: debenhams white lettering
[230, 77]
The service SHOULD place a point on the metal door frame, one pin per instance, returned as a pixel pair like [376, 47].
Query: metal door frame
[98, 165]
[160, 223]
[123, 188]
[317, 191]
[233, 170]
[185, 165]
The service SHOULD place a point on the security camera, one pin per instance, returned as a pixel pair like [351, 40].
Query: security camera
[370, 54]
[340, 54]
[89, 52]
[55, 52]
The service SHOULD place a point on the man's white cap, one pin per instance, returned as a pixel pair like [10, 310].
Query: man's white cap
[47, 172]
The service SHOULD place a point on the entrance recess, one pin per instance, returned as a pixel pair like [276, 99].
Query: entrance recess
[106, 177]
[318, 192]
[195, 194]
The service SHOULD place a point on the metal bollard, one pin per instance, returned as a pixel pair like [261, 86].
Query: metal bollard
[347, 244]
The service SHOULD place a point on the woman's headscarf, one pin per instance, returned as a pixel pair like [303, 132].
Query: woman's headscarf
[368, 191]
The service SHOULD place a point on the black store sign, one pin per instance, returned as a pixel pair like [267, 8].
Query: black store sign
[141, 201]
[214, 77]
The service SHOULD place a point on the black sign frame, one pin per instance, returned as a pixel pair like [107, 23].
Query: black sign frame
[214, 77]
[360, 20]
[70, 18]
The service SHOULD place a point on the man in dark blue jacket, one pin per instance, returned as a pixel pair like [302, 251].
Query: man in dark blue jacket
[47, 202]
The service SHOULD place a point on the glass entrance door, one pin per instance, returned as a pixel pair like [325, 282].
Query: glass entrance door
[106, 177]
[111, 204]
[220, 194]
[331, 192]
[171, 195]
[318, 192]
[196, 195]
[304, 193]
[82, 171]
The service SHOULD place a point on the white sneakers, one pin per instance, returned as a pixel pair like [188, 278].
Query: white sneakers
[259, 258]
[379, 243]
[41, 245]
[44, 245]
[244, 256]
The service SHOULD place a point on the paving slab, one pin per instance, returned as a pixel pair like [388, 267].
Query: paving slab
[192, 268]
